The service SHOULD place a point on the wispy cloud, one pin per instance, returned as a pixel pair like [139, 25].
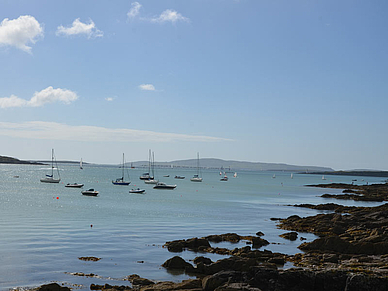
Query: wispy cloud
[109, 99]
[20, 32]
[48, 95]
[80, 28]
[135, 10]
[147, 87]
[59, 131]
[169, 16]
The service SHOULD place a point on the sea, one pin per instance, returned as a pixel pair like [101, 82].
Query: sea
[46, 228]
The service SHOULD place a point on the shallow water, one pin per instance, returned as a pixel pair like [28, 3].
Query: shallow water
[44, 228]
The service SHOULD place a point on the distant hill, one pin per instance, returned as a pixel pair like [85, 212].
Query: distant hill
[232, 165]
[9, 160]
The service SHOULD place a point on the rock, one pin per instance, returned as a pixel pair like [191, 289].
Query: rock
[203, 260]
[236, 286]
[187, 285]
[52, 287]
[212, 282]
[179, 264]
[258, 242]
[93, 259]
[290, 235]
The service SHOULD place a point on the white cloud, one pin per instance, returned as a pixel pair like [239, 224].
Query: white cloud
[147, 87]
[48, 95]
[80, 28]
[20, 32]
[170, 16]
[59, 131]
[135, 10]
[110, 99]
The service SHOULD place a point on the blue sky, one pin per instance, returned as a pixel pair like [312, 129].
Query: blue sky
[297, 82]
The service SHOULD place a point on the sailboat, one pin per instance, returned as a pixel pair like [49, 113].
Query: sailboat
[235, 174]
[196, 177]
[50, 178]
[146, 176]
[120, 181]
[225, 178]
[152, 180]
[80, 165]
[292, 176]
[323, 177]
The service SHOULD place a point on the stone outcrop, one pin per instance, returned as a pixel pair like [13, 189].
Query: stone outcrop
[373, 192]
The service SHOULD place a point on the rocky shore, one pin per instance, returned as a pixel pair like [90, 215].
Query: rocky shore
[350, 253]
[373, 192]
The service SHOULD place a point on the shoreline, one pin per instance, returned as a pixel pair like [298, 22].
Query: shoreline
[350, 253]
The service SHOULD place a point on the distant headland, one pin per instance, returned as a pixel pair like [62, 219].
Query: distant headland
[9, 160]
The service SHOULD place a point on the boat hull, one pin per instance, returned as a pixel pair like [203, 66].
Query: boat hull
[121, 183]
[50, 180]
[74, 185]
[137, 191]
[90, 193]
[196, 179]
[164, 186]
[151, 181]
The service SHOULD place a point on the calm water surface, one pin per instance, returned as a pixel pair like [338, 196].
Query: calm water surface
[44, 228]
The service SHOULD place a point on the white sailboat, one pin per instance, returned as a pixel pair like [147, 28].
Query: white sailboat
[196, 177]
[80, 165]
[152, 180]
[50, 178]
[120, 181]
[292, 176]
[147, 176]
[235, 174]
[323, 177]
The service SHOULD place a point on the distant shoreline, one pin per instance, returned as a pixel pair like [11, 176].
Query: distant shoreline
[9, 160]
[351, 173]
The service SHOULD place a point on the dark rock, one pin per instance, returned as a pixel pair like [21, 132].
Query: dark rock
[53, 287]
[258, 242]
[203, 260]
[179, 264]
[290, 235]
[212, 282]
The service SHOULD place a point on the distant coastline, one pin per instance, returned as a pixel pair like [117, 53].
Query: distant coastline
[352, 173]
[205, 163]
[9, 160]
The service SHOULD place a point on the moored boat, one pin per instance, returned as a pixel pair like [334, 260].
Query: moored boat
[161, 185]
[137, 191]
[74, 185]
[50, 178]
[90, 192]
[196, 177]
[120, 181]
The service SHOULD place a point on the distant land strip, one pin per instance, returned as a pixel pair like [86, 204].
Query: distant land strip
[351, 173]
[9, 160]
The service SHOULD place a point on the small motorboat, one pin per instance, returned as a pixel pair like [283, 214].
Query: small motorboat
[161, 185]
[74, 185]
[137, 191]
[179, 177]
[90, 192]
[166, 176]
[225, 178]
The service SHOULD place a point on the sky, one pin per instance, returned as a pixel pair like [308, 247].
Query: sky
[298, 82]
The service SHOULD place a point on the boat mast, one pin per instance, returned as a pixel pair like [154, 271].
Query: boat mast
[123, 167]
